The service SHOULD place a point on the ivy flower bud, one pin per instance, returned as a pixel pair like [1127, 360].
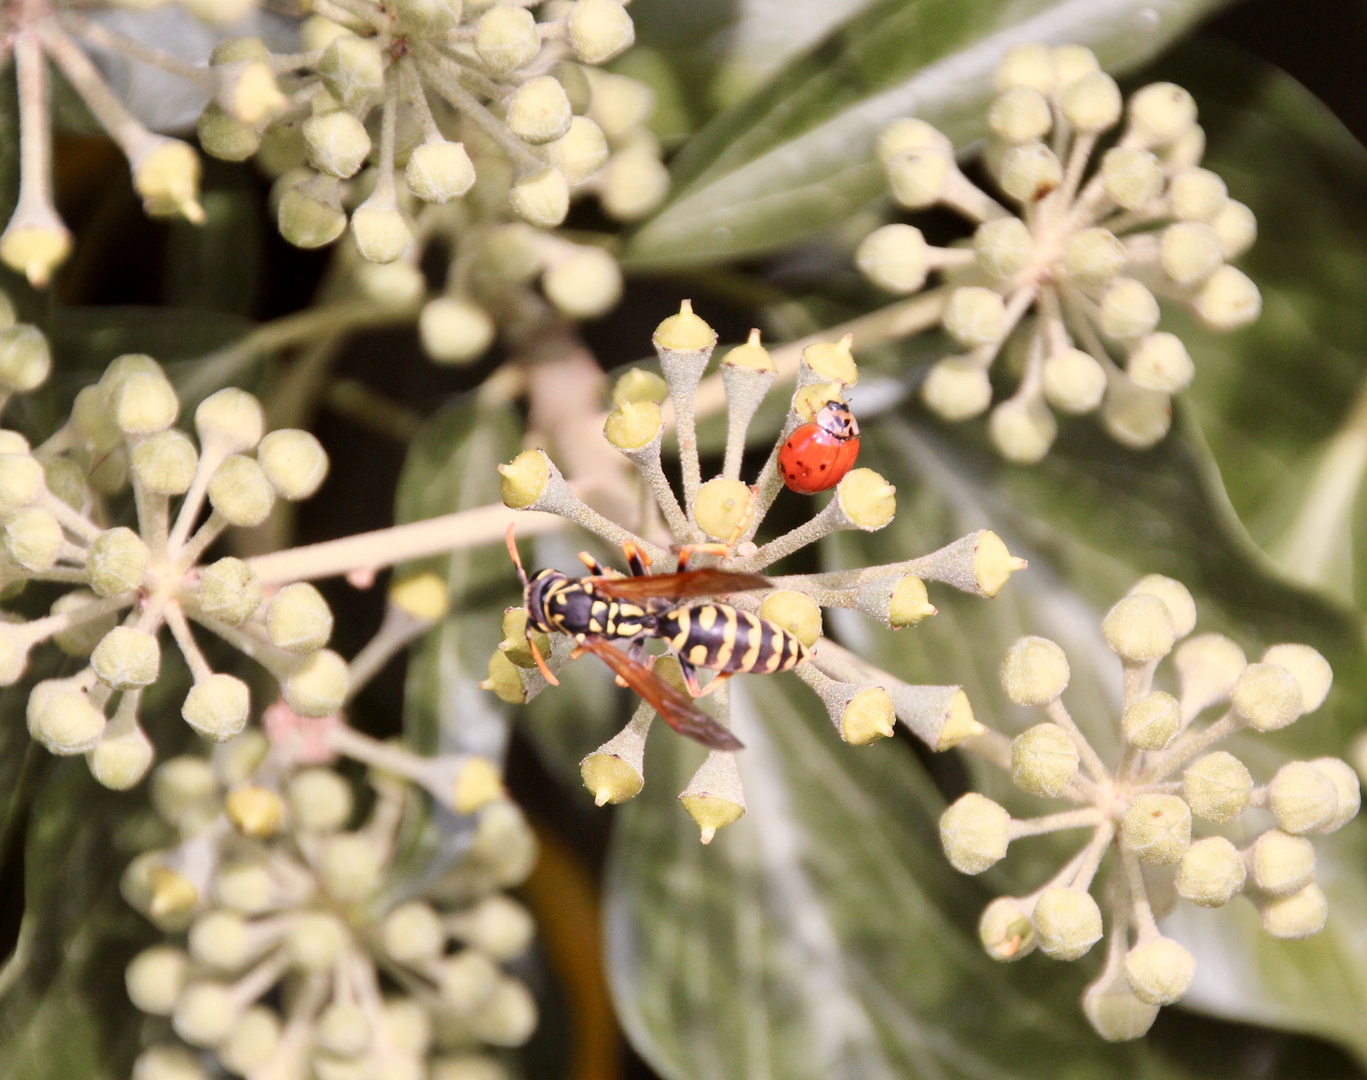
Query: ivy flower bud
[1071, 63]
[350, 866]
[1029, 172]
[219, 939]
[35, 243]
[908, 134]
[316, 940]
[466, 980]
[634, 425]
[542, 199]
[1114, 1012]
[1159, 971]
[498, 926]
[439, 171]
[721, 507]
[165, 463]
[245, 886]
[508, 1017]
[1044, 760]
[1067, 921]
[126, 659]
[1131, 178]
[1266, 697]
[224, 136]
[1139, 629]
[506, 39]
[1035, 671]
[795, 612]
[1029, 65]
[299, 619]
[1092, 103]
[1005, 930]
[1298, 915]
[1228, 300]
[1347, 792]
[217, 707]
[1189, 251]
[337, 143]
[635, 182]
[612, 773]
[908, 603]
[1020, 114]
[62, 718]
[975, 316]
[25, 358]
[714, 798]
[344, 1029]
[117, 562]
[240, 492]
[1302, 798]
[229, 591]
[1157, 828]
[868, 715]
[252, 1041]
[1161, 362]
[454, 331]
[166, 175]
[1208, 667]
[1236, 227]
[1161, 113]
[586, 284]
[21, 478]
[867, 499]
[1197, 194]
[412, 933]
[1281, 864]
[155, 979]
[380, 230]
[294, 462]
[505, 680]
[205, 1013]
[581, 151]
[894, 258]
[320, 800]
[957, 389]
[184, 788]
[352, 69]
[1128, 310]
[974, 832]
[1210, 873]
[1310, 670]
[538, 110]
[1022, 430]
[1217, 787]
[318, 686]
[231, 420]
[1002, 246]
[1093, 256]
[310, 217]
[33, 539]
[145, 403]
[255, 812]
[598, 30]
[918, 178]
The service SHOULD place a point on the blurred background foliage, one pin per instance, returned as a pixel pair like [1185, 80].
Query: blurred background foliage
[823, 936]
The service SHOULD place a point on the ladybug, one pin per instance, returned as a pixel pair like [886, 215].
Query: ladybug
[817, 456]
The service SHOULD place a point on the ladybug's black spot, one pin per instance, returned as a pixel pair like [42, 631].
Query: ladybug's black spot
[824, 466]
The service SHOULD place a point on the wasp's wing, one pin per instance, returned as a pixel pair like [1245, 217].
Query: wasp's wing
[682, 586]
[677, 709]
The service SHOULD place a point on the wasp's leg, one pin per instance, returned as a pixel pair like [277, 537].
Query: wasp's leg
[638, 562]
[724, 550]
[718, 681]
[690, 674]
[689, 550]
[595, 567]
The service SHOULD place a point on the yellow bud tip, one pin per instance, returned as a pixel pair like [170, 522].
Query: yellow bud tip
[254, 811]
[423, 597]
[960, 724]
[833, 360]
[477, 785]
[171, 893]
[610, 779]
[707, 833]
[711, 813]
[994, 564]
[685, 332]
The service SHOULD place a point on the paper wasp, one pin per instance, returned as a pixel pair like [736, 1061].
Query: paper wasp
[602, 607]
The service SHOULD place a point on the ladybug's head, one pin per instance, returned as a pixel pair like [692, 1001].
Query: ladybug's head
[835, 418]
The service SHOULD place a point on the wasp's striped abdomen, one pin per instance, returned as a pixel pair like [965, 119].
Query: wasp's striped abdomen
[718, 637]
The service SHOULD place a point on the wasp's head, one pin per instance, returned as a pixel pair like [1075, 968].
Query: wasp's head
[535, 594]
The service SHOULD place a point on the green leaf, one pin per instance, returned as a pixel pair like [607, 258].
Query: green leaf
[796, 156]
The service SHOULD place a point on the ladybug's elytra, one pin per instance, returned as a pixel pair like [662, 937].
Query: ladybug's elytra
[817, 456]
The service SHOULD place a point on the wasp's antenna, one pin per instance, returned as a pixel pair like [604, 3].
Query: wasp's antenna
[546, 672]
[511, 541]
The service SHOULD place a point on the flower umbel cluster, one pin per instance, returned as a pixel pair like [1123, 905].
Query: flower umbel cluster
[1169, 779]
[1066, 283]
[724, 515]
[306, 952]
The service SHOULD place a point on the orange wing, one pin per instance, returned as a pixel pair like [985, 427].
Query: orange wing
[683, 586]
[677, 709]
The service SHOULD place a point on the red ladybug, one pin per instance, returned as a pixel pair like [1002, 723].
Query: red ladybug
[817, 456]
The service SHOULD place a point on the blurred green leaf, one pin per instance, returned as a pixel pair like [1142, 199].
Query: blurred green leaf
[796, 156]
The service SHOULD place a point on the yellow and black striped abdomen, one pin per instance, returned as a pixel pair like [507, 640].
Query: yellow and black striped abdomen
[720, 638]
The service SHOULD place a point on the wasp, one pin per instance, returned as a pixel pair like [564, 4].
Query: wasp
[604, 607]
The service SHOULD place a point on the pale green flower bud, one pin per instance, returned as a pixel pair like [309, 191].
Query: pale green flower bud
[868, 500]
[1160, 362]
[1161, 113]
[396, 285]
[1071, 63]
[586, 284]
[224, 136]
[145, 404]
[1210, 873]
[468, 1067]
[25, 358]
[1150, 722]
[1267, 697]
[1073, 380]
[1347, 792]
[909, 135]
[11, 442]
[319, 800]
[1003, 247]
[581, 151]
[1310, 670]
[1020, 114]
[635, 182]
[508, 1017]
[720, 506]
[1067, 921]
[62, 718]
[1281, 864]
[439, 171]
[1139, 629]
[1159, 971]
[231, 419]
[1208, 667]
[13, 658]
[252, 1041]
[918, 177]
[1157, 828]
[1022, 430]
[380, 230]
[795, 612]
[352, 69]
[229, 591]
[318, 686]
[1298, 915]
[466, 980]
[633, 425]
[217, 707]
[975, 316]
[350, 866]
[219, 939]
[869, 715]
[542, 199]
[246, 887]
[1302, 798]
[240, 492]
[1128, 310]
[1093, 256]
[165, 463]
[974, 832]
[343, 1028]
[184, 788]
[413, 933]
[894, 258]
[310, 217]
[126, 659]
[539, 110]
[299, 619]
[506, 39]
[167, 178]
[1175, 595]
[1189, 252]
[155, 979]
[957, 389]
[316, 940]
[1236, 227]
[117, 562]
[599, 30]
[168, 1063]
[33, 539]
[205, 1013]
[524, 479]
[1030, 65]
[408, 1027]
[454, 331]
[1228, 300]
[497, 926]
[1005, 930]
[1217, 787]
[1131, 178]
[294, 461]
[1044, 759]
[1034, 672]
[337, 144]
[1092, 103]
[429, 17]
[1029, 172]
[21, 479]
[1197, 194]
[1114, 1012]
